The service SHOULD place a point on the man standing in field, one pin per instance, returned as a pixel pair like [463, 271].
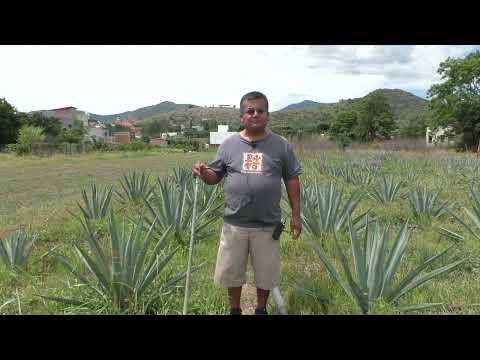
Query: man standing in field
[254, 161]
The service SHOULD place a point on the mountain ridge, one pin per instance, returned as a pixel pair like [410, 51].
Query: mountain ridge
[304, 105]
[398, 99]
[143, 112]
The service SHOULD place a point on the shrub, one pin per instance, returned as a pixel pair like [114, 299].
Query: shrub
[26, 137]
[136, 146]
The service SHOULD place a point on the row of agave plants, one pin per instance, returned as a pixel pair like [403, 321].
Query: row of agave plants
[121, 262]
[424, 203]
[376, 259]
[362, 168]
[365, 174]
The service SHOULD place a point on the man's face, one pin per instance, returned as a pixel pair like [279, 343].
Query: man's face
[254, 116]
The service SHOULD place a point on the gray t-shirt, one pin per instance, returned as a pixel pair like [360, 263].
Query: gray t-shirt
[253, 178]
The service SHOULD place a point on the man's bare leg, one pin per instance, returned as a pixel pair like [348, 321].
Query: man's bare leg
[234, 294]
[262, 298]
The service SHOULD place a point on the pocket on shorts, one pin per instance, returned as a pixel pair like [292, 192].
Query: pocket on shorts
[268, 230]
[227, 233]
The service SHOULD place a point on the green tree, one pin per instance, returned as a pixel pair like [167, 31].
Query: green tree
[74, 135]
[456, 101]
[413, 124]
[321, 127]
[282, 129]
[375, 119]
[10, 123]
[155, 127]
[193, 133]
[342, 128]
[210, 125]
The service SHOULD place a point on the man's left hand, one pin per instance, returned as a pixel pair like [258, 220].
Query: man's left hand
[295, 227]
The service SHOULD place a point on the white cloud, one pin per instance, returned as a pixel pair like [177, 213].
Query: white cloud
[391, 61]
[112, 79]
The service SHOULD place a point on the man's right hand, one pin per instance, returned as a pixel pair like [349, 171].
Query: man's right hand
[199, 169]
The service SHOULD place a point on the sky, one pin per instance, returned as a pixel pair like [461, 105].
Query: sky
[108, 79]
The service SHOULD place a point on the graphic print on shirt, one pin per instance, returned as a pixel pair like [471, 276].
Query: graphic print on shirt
[252, 162]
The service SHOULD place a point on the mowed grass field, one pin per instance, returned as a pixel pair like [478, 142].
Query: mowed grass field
[38, 190]
[40, 193]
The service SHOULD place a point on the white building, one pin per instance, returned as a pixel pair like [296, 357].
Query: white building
[218, 137]
[168, 135]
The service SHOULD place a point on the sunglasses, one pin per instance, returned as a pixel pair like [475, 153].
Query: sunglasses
[251, 111]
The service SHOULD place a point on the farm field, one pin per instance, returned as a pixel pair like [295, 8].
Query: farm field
[427, 199]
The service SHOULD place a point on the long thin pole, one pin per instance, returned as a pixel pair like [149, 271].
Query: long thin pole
[277, 297]
[190, 251]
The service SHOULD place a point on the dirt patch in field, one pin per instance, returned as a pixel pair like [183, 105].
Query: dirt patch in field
[249, 299]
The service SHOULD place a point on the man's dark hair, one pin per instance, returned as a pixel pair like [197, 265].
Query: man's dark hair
[253, 95]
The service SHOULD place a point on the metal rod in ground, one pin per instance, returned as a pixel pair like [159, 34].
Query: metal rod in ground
[277, 297]
[190, 250]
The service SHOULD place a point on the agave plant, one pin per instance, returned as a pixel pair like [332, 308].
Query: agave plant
[410, 176]
[357, 173]
[99, 205]
[121, 273]
[16, 248]
[424, 204]
[387, 190]
[136, 186]
[207, 195]
[328, 169]
[323, 210]
[357, 177]
[209, 204]
[170, 208]
[173, 207]
[375, 265]
[474, 216]
[182, 175]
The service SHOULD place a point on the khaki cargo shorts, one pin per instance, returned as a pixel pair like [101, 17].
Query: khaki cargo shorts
[236, 243]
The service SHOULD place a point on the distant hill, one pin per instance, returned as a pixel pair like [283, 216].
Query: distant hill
[143, 113]
[198, 116]
[402, 101]
[305, 105]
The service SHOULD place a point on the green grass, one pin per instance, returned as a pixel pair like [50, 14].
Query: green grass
[37, 192]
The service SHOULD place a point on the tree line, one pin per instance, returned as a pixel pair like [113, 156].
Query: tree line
[19, 130]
